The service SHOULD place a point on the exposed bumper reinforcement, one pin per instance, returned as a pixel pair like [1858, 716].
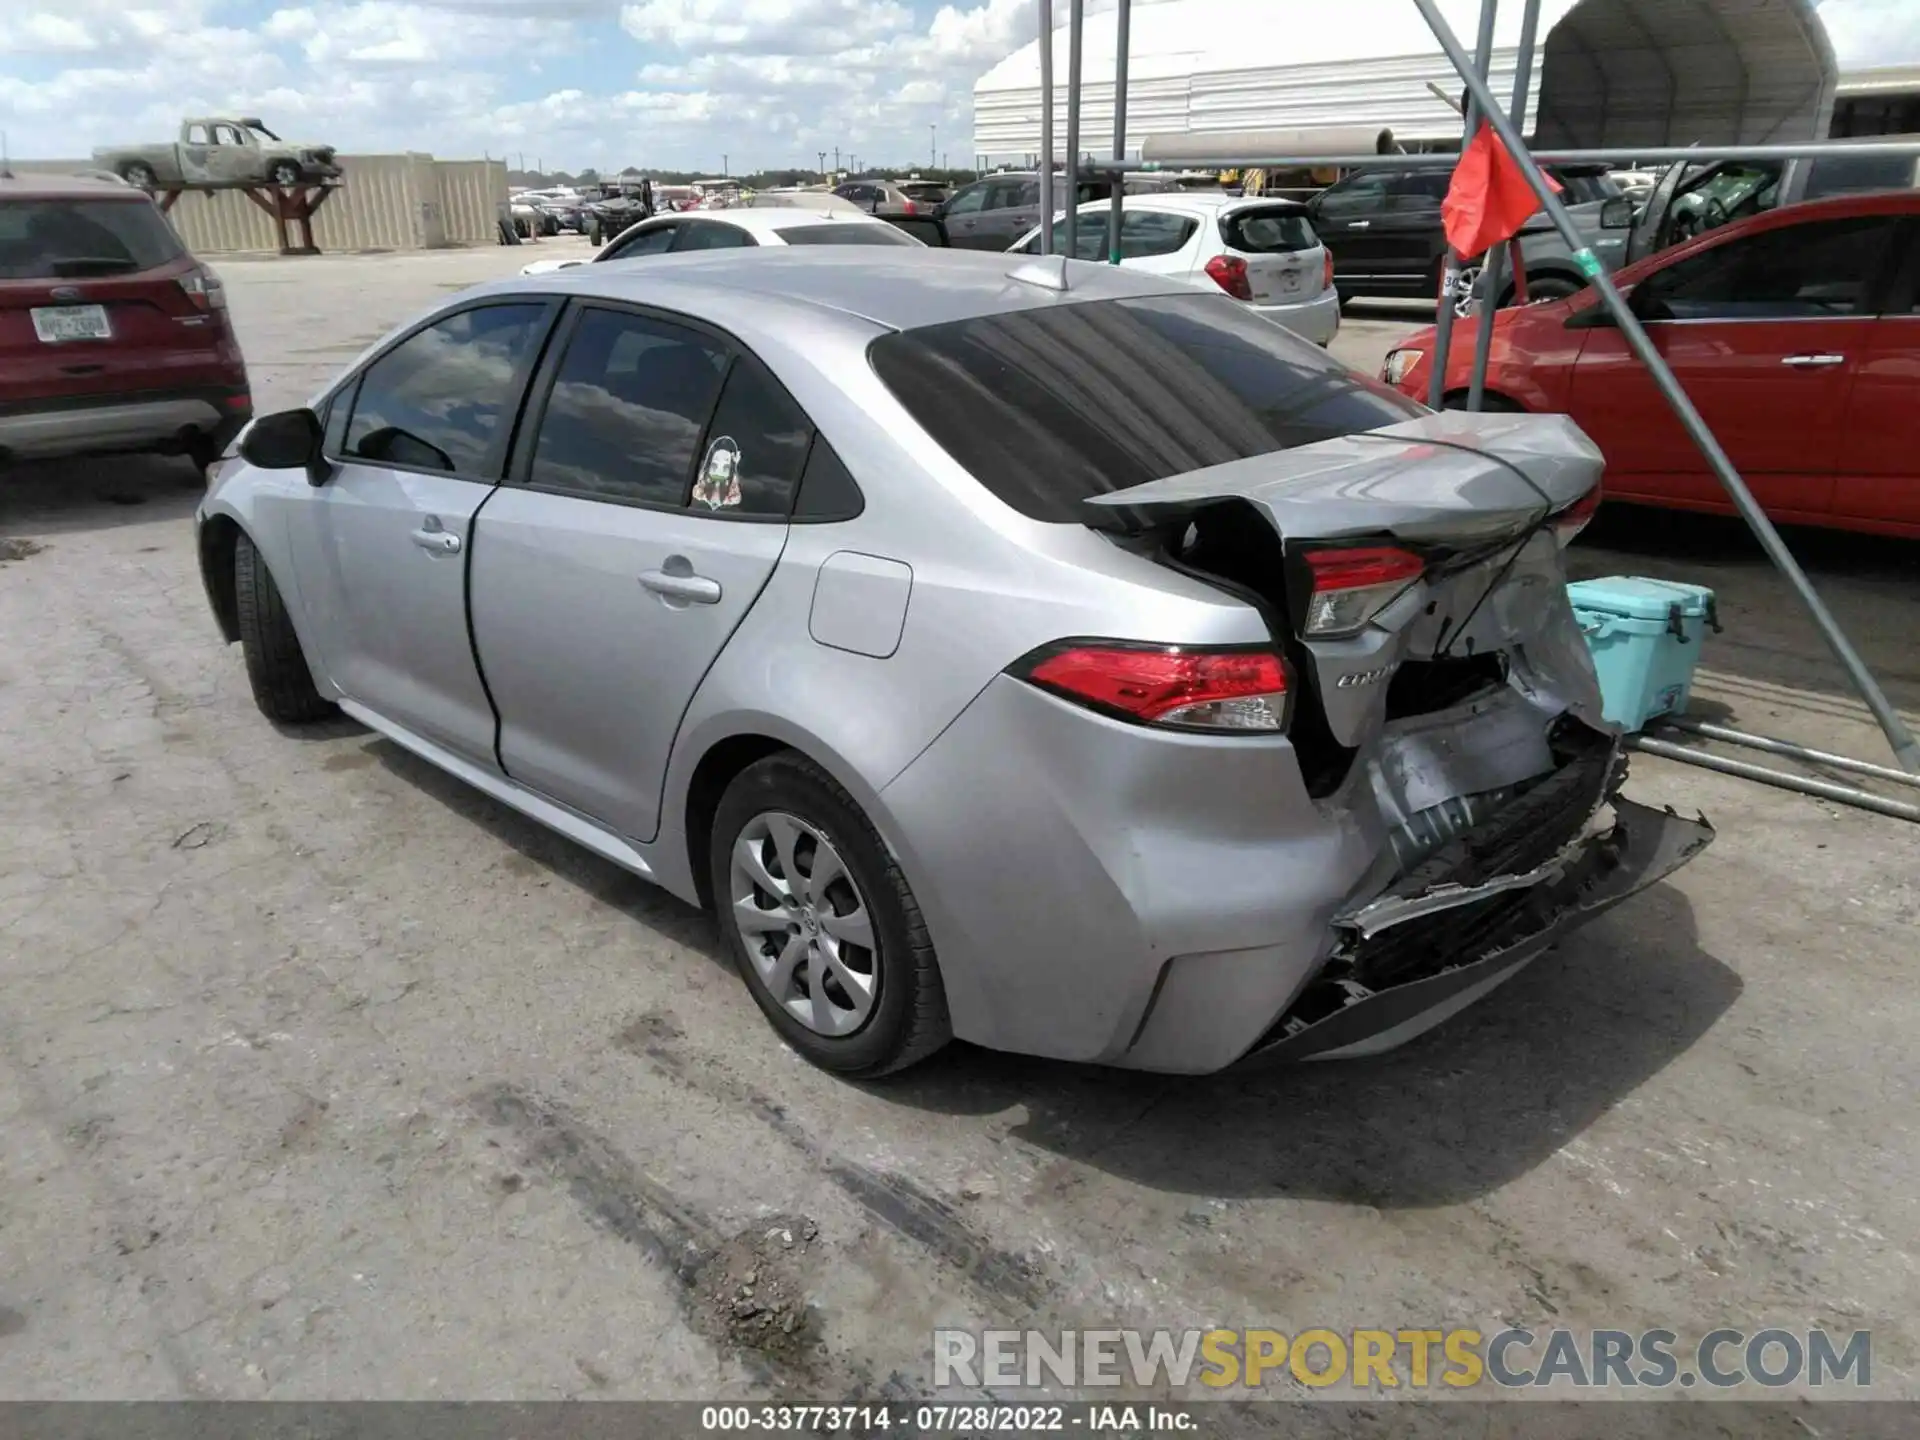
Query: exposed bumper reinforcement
[1596, 873]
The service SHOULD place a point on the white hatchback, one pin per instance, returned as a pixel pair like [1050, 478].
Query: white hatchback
[1263, 252]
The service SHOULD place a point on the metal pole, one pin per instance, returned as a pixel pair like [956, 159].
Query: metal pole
[1771, 746]
[1696, 154]
[1493, 268]
[1074, 17]
[1046, 127]
[1905, 748]
[1450, 262]
[1780, 779]
[1122, 15]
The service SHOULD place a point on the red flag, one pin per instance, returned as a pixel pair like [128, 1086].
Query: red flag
[1489, 199]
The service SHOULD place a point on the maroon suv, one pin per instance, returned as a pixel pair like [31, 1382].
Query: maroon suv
[112, 336]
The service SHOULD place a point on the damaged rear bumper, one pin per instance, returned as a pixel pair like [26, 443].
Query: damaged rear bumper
[1411, 960]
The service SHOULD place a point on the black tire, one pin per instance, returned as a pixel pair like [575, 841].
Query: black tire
[139, 173]
[908, 1021]
[283, 686]
[285, 173]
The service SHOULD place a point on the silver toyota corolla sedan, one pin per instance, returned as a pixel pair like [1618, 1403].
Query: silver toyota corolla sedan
[1036, 652]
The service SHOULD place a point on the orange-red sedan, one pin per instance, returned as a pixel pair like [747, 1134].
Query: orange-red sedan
[1795, 332]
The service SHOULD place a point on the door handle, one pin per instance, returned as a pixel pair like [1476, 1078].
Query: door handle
[1359, 224]
[1813, 362]
[439, 542]
[695, 589]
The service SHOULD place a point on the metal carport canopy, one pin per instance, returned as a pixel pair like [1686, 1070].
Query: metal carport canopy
[1615, 73]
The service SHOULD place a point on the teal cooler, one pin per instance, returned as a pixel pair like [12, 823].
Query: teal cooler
[1645, 637]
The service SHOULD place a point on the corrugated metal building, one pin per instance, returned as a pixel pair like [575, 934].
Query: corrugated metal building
[388, 202]
[1613, 73]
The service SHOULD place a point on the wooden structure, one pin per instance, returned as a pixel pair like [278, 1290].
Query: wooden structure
[286, 205]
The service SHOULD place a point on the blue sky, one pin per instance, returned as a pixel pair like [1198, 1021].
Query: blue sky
[665, 83]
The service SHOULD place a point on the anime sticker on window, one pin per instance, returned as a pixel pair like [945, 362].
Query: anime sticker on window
[718, 487]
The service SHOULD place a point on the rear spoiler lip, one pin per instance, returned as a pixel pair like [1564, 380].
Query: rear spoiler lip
[1417, 480]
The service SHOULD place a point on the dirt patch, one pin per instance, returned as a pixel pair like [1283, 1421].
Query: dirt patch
[752, 1292]
[13, 548]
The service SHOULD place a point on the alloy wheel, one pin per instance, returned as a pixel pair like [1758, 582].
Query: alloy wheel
[804, 923]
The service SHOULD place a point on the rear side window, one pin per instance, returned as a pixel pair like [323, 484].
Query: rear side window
[710, 235]
[1273, 231]
[755, 449]
[437, 400]
[845, 234]
[629, 406]
[1845, 175]
[55, 239]
[1051, 406]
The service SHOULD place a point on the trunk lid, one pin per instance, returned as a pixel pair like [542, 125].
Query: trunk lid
[1473, 495]
[1284, 258]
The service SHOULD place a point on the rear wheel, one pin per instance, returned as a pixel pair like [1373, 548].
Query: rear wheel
[1490, 403]
[821, 922]
[277, 669]
[138, 172]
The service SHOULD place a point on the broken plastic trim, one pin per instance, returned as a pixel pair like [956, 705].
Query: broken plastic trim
[1643, 847]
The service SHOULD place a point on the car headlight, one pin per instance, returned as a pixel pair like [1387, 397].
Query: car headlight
[1399, 362]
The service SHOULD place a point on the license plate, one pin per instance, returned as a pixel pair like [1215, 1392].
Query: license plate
[59, 323]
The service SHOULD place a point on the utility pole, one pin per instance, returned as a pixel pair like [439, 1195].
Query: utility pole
[723, 164]
[836, 159]
[823, 164]
[933, 147]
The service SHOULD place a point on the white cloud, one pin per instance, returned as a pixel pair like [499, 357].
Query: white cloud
[765, 26]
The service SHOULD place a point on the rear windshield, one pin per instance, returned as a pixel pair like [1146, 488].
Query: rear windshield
[1051, 406]
[1273, 231]
[848, 234]
[52, 239]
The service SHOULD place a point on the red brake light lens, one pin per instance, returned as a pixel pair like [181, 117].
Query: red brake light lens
[1572, 520]
[1353, 584]
[908, 207]
[1167, 685]
[1229, 272]
[1326, 277]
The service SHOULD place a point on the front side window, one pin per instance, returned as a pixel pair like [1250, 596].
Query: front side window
[642, 242]
[1051, 406]
[1796, 272]
[969, 201]
[441, 398]
[629, 405]
[1352, 197]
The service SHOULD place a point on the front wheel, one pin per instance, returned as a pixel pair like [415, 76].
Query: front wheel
[277, 669]
[821, 922]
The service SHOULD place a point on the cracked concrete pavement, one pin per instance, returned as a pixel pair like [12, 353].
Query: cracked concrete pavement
[323, 1076]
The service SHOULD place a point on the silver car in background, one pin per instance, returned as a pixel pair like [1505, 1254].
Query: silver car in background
[1035, 652]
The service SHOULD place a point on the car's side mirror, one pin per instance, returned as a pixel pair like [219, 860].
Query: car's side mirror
[1616, 214]
[287, 440]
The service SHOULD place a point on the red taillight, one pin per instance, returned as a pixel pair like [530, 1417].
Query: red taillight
[1572, 520]
[1326, 272]
[203, 287]
[1167, 684]
[240, 401]
[1353, 584]
[908, 207]
[1229, 272]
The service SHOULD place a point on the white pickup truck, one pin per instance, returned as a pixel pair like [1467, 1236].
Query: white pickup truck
[216, 151]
